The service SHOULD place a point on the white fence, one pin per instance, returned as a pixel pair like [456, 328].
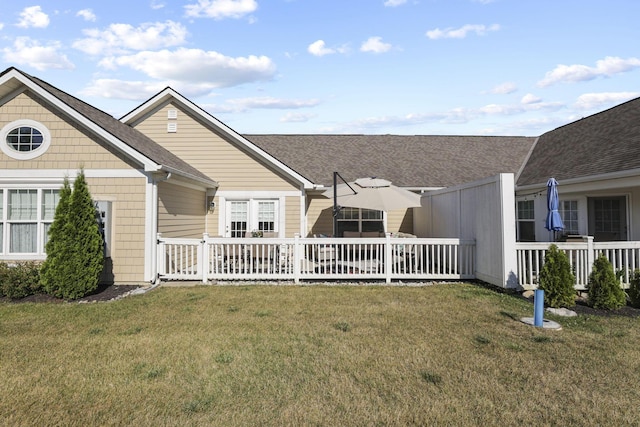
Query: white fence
[624, 257]
[385, 258]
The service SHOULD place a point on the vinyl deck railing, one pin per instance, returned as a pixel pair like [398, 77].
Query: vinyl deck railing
[624, 257]
[385, 258]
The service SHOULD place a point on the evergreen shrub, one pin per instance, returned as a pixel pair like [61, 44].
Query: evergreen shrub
[603, 287]
[75, 248]
[634, 289]
[20, 279]
[557, 280]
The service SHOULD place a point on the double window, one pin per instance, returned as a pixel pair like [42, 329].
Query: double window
[248, 217]
[356, 219]
[25, 218]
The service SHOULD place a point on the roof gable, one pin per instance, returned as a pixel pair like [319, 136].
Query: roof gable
[169, 95]
[125, 139]
[408, 161]
[604, 143]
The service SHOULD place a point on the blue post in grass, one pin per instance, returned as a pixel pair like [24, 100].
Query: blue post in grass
[538, 310]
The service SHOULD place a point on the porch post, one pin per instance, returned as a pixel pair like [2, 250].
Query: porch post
[296, 258]
[591, 256]
[204, 262]
[388, 257]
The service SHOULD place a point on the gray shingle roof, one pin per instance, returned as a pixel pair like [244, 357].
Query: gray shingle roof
[407, 161]
[130, 136]
[603, 143]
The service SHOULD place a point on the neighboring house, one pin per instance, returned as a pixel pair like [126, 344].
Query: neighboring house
[596, 161]
[170, 167]
[143, 189]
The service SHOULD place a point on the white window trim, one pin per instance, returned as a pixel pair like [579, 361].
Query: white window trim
[24, 155]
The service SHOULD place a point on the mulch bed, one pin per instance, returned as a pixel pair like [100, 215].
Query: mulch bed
[103, 293]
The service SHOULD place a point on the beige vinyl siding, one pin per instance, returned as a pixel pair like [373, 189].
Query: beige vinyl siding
[70, 147]
[181, 211]
[213, 155]
[319, 215]
[127, 197]
[293, 216]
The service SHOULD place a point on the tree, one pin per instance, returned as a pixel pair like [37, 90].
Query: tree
[77, 249]
[51, 269]
[603, 287]
[557, 280]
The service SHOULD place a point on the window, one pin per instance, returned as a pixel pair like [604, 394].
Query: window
[245, 216]
[266, 216]
[25, 222]
[569, 214]
[526, 221]
[24, 139]
[356, 219]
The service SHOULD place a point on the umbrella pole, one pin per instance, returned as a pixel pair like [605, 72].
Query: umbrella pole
[335, 203]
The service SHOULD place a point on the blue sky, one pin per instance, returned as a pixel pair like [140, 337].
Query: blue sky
[432, 67]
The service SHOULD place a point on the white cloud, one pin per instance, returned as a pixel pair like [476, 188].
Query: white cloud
[87, 15]
[296, 118]
[453, 116]
[220, 9]
[460, 33]
[504, 88]
[318, 48]
[26, 51]
[606, 67]
[123, 38]
[530, 99]
[394, 3]
[1, 26]
[120, 89]
[375, 45]
[592, 101]
[273, 103]
[197, 66]
[33, 17]
[157, 4]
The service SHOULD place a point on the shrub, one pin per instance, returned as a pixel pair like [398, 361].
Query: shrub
[20, 280]
[557, 280]
[603, 287]
[634, 289]
[75, 257]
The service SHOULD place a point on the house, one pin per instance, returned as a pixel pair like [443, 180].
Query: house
[596, 161]
[168, 168]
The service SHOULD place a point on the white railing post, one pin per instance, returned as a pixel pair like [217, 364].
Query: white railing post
[388, 256]
[591, 256]
[297, 250]
[204, 261]
[160, 256]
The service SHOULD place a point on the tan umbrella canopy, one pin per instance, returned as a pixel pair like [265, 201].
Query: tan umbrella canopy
[373, 193]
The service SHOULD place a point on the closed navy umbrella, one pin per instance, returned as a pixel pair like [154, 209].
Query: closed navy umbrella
[554, 221]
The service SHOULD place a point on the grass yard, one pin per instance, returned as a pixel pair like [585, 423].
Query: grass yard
[450, 354]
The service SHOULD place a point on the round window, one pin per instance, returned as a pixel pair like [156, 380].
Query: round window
[24, 139]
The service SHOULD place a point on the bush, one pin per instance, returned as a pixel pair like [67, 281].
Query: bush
[20, 280]
[557, 280]
[603, 287]
[634, 289]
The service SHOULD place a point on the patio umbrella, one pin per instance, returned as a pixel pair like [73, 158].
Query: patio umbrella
[553, 221]
[373, 193]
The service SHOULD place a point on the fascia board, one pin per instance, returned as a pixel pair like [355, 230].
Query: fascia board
[93, 127]
[168, 92]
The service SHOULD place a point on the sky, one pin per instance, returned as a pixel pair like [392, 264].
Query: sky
[404, 67]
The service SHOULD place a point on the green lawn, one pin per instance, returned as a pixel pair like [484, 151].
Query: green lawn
[449, 354]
